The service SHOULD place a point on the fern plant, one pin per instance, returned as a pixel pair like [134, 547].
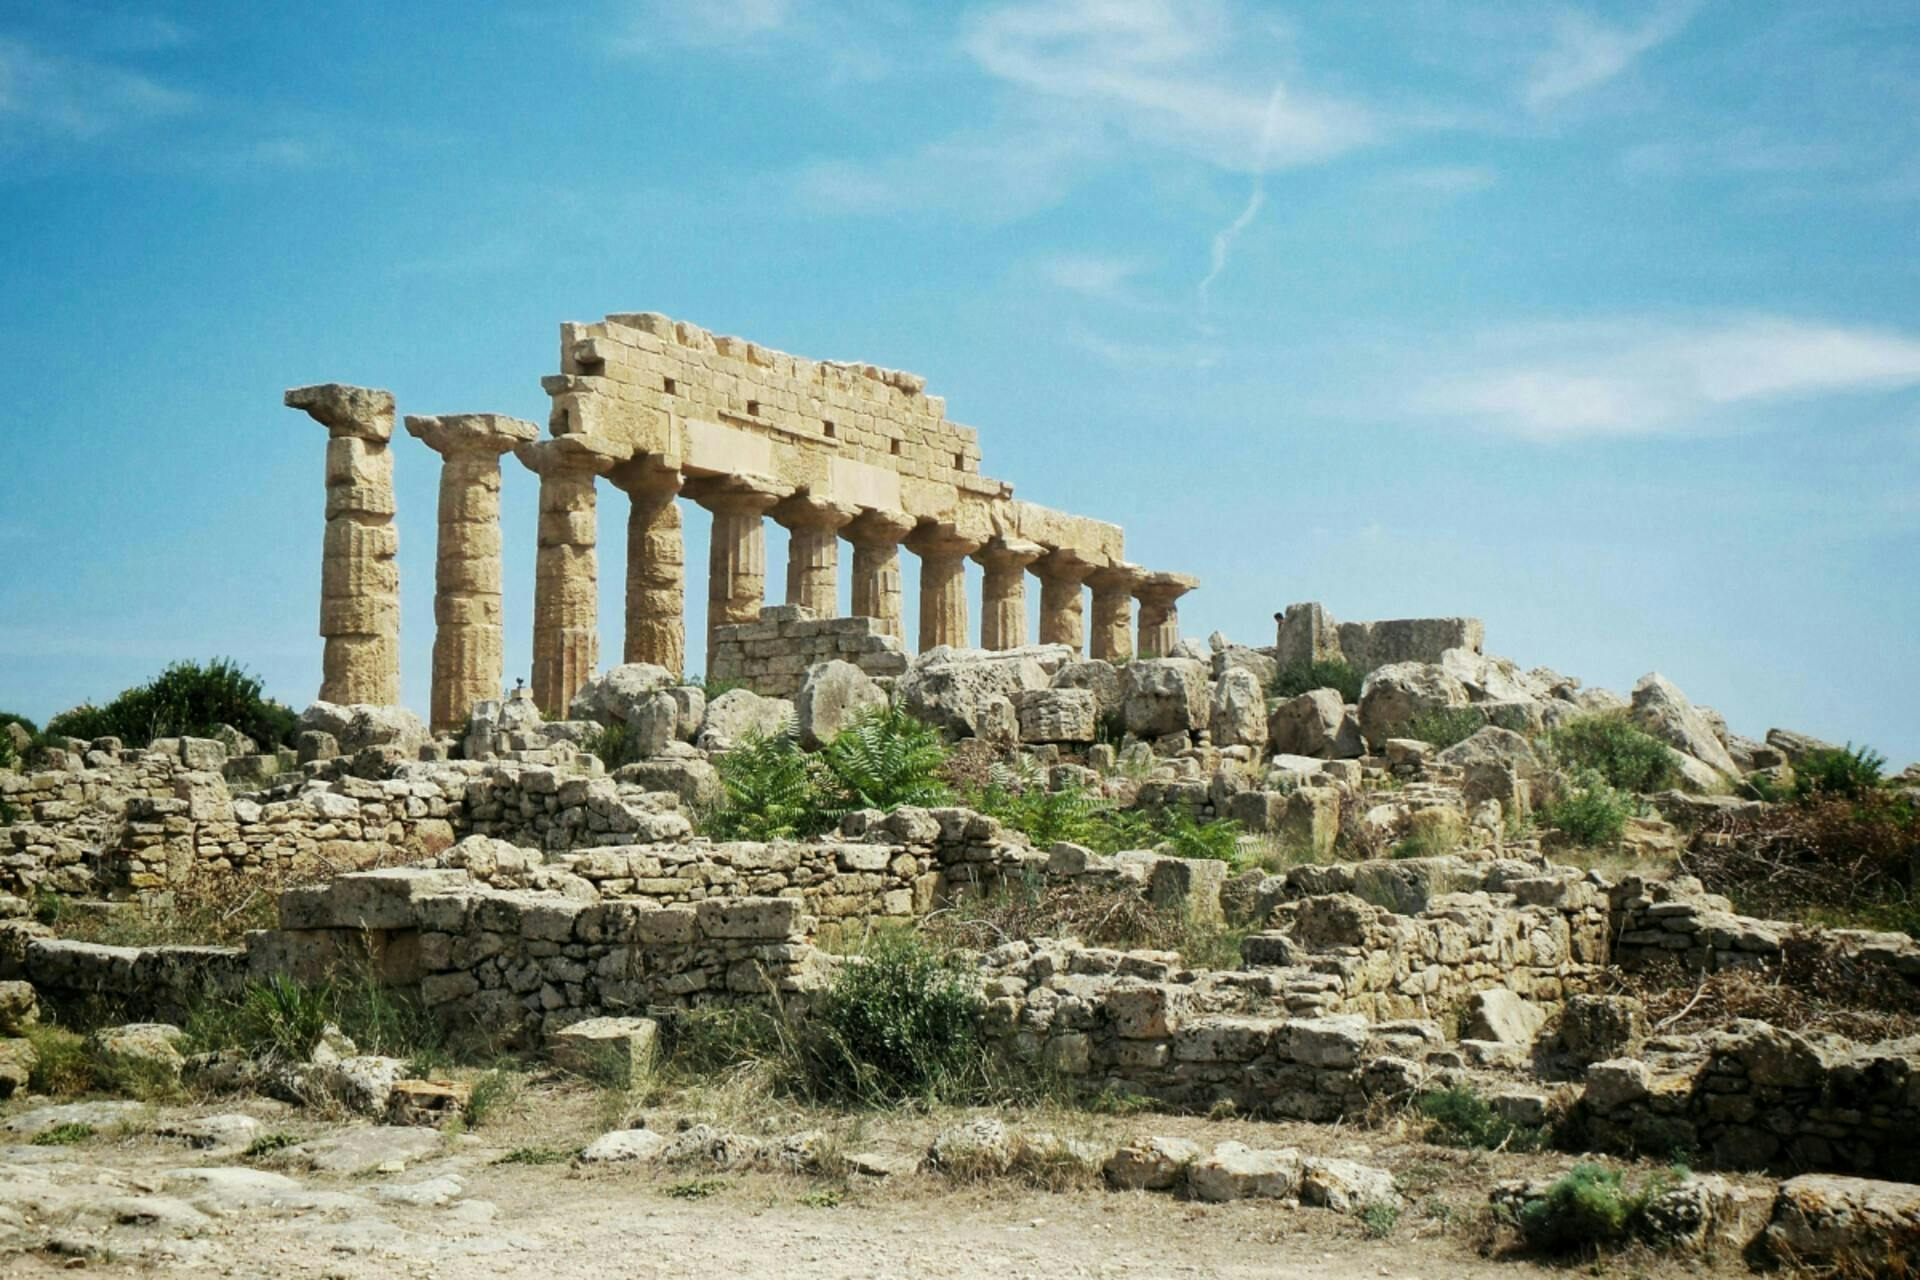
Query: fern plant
[883, 759]
[772, 792]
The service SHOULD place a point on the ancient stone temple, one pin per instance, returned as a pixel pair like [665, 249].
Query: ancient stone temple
[664, 411]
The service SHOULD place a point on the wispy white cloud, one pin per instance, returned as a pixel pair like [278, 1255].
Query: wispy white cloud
[1090, 274]
[987, 177]
[656, 24]
[1628, 378]
[1587, 53]
[75, 99]
[1164, 73]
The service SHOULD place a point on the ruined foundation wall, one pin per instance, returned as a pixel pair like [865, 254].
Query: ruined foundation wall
[771, 656]
[1308, 633]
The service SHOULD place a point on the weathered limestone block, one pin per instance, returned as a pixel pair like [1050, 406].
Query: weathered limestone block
[1234, 1171]
[1394, 696]
[1238, 713]
[360, 582]
[1858, 1225]
[1503, 1017]
[1056, 715]
[832, 694]
[1158, 1164]
[1316, 723]
[1164, 695]
[1662, 710]
[740, 713]
[620, 694]
[956, 689]
[610, 1051]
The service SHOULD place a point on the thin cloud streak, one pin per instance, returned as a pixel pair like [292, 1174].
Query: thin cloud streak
[1586, 53]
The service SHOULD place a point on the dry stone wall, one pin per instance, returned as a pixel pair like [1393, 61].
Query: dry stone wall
[771, 656]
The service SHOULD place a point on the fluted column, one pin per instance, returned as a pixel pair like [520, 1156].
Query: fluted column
[1061, 573]
[1111, 636]
[737, 560]
[813, 550]
[1159, 614]
[359, 577]
[566, 586]
[468, 660]
[1003, 591]
[877, 591]
[656, 565]
[943, 553]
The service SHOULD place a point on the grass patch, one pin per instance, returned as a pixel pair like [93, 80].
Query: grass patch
[1592, 1208]
[1027, 909]
[615, 744]
[825, 1198]
[495, 1093]
[1303, 676]
[269, 1143]
[535, 1156]
[283, 1019]
[1459, 1117]
[696, 1188]
[1379, 1219]
[64, 1135]
[64, 1066]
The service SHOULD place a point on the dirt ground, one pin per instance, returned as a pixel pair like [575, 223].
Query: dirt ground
[356, 1200]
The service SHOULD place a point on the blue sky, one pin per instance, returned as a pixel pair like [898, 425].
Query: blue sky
[1600, 322]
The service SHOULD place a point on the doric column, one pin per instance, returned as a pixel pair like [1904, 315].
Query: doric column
[566, 586]
[656, 565]
[943, 552]
[467, 655]
[1003, 591]
[1159, 615]
[359, 578]
[1061, 573]
[737, 562]
[876, 536]
[1111, 637]
[813, 550]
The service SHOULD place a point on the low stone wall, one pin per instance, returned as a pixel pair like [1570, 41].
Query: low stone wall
[140, 983]
[1756, 1096]
[771, 656]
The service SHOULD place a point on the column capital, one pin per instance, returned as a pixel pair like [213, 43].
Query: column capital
[1164, 588]
[646, 473]
[804, 511]
[1004, 554]
[568, 455]
[1119, 576]
[452, 434]
[941, 540]
[1064, 564]
[875, 527]
[366, 412]
[736, 494]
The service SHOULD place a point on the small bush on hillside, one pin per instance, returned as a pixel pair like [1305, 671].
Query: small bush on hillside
[188, 699]
[1445, 726]
[615, 744]
[1592, 1208]
[883, 759]
[1847, 772]
[1591, 813]
[1622, 755]
[1303, 676]
[1185, 837]
[1462, 1118]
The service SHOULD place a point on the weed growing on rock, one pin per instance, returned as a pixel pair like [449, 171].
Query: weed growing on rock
[1462, 1118]
[1609, 745]
[270, 1143]
[1443, 727]
[535, 1156]
[64, 1135]
[1303, 676]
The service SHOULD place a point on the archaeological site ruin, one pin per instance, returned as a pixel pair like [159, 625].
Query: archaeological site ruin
[1356, 918]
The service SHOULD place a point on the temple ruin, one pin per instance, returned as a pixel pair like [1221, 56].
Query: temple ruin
[664, 410]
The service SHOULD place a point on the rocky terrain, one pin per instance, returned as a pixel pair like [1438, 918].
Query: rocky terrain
[1362, 949]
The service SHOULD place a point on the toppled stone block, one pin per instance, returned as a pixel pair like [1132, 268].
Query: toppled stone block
[830, 696]
[739, 714]
[1056, 715]
[1163, 696]
[1345, 1186]
[140, 1054]
[1596, 1028]
[1234, 1171]
[1860, 1226]
[427, 1102]
[19, 1008]
[610, 1051]
[1190, 885]
[1502, 1017]
[1158, 1164]
[624, 1146]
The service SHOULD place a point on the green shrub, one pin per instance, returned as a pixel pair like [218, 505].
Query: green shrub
[1462, 1118]
[1848, 772]
[494, 1093]
[1046, 817]
[771, 792]
[900, 1021]
[1445, 726]
[188, 699]
[64, 1135]
[1186, 837]
[269, 1143]
[1591, 1208]
[1591, 813]
[63, 1067]
[1609, 745]
[883, 759]
[535, 1156]
[1379, 1219]
[696, 1188]
[1303, 676]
